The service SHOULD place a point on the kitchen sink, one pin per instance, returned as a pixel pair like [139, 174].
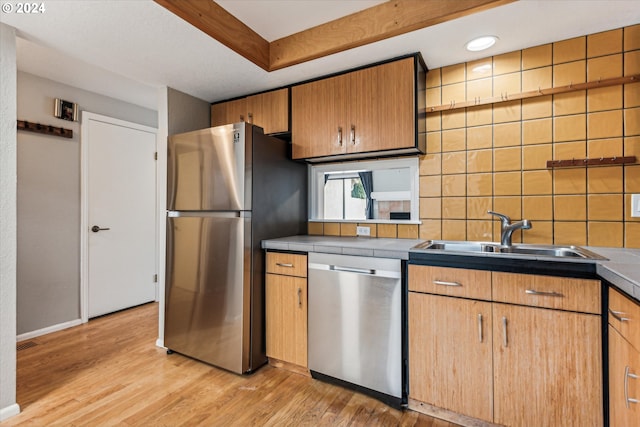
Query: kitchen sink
[458, 246]
[554, 251]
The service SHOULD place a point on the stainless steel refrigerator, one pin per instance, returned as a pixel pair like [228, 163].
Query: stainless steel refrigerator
[229, 187]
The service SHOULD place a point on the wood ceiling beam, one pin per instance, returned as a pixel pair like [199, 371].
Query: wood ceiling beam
[377, 23]
[215, 21]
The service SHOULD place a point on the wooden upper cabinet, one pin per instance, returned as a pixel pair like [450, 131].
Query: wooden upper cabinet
[269, 110]
[318, 114]
[382, 107]
[229, 112]
[360, 113]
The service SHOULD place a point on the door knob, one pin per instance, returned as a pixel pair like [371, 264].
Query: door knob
[95, 229]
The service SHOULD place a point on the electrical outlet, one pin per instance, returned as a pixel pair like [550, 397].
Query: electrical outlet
[635, 205]
[363, 231]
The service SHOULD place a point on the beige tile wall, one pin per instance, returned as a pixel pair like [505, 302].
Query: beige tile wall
[494, 156]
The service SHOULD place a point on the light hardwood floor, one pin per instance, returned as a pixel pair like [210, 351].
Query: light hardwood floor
[110, 373]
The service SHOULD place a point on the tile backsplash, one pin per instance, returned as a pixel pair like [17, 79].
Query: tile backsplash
[493, 157]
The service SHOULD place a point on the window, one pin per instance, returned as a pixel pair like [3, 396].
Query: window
[347, 194]
[374, 191]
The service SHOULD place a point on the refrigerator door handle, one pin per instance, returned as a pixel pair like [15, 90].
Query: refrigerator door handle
[209, 214]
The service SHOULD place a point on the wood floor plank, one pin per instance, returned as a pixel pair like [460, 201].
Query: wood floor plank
[109, 372]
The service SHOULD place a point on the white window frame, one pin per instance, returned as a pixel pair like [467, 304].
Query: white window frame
[316, 186]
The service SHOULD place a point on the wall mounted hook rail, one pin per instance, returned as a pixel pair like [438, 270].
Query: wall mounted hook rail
[44, 129]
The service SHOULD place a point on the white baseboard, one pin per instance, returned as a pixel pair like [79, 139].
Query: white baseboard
[48, 330]
[9, 411]
[160, 343]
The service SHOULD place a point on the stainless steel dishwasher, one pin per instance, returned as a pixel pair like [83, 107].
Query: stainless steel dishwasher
[355, 324]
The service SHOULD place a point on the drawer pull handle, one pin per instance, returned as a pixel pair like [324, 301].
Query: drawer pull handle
[443, 283]
[617, 316]
[504, 332]
[480, 327]
[542, 293]
[281, 264]
[340, 136]
[627, 375]
[299, 297]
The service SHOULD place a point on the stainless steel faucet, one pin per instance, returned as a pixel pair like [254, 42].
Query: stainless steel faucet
[508, 227]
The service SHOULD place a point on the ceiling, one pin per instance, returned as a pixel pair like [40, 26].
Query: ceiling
[127, 49]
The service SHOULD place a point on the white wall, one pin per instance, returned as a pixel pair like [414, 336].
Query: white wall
[48, 202]
[8, 405]
[186, 113]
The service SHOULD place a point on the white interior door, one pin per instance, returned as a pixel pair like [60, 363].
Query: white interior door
[120, 221]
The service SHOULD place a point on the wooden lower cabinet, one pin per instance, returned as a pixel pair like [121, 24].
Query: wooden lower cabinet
[624, 384]
[286, 318]
[624, 360]
[509, 360]
[547, 367]
[450, 354]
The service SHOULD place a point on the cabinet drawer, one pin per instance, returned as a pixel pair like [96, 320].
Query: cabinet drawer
[287, 264]
[561, 293]
[457, 282]
[624, 316]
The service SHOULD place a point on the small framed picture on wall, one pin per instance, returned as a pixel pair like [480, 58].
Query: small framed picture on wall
[65, 110]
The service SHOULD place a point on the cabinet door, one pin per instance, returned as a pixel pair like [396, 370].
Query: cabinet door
[382, 107]
[229, 112]
[269, 110]
[547, 367]
[624, 386]
[450, 354]
[624, 314]
[286, 318]
[318, 118]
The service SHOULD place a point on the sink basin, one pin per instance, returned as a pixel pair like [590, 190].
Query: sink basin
[553, 251]
[458, 246]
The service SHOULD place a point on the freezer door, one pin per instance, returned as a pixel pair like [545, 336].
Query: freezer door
[207, 299]
[206, 170]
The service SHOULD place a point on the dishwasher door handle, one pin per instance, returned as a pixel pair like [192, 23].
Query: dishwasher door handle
[353, 270]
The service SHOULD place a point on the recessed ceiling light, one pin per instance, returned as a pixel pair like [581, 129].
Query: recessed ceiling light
[481, 43]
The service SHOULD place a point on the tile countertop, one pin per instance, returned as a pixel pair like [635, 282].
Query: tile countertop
[622, 268]
[359, 246]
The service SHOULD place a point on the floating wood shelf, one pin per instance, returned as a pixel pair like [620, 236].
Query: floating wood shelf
[602, 161]
[505, 97]
[45, 129]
